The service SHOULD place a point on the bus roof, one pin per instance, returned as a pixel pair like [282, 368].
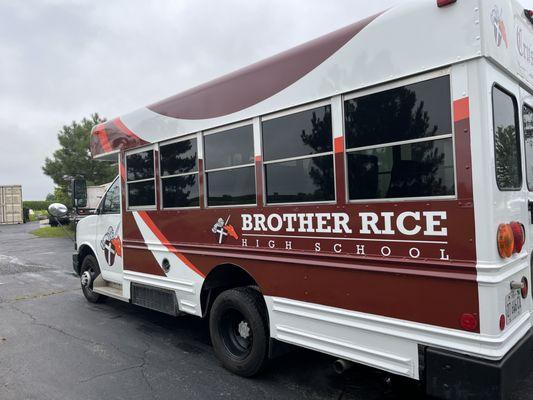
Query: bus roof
[407, 39]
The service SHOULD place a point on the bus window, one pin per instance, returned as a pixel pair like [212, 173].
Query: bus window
[399, 142]
[229, 163]
[298, 157]
[506, 140]
[527, 117]
[140, 179]
[179, 174]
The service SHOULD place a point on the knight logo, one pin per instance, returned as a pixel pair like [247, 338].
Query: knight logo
[223, 230]
[111, 245]
[500, 33]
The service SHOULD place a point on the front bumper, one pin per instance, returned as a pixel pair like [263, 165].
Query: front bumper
[75, 263]
[457, 376]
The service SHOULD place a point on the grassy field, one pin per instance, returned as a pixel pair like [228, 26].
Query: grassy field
[52, 232]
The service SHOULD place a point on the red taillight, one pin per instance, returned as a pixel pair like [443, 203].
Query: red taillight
[468, 322]
[525, 287]
[502, 322]
[505, 239]
[442, 3]
[519, 235]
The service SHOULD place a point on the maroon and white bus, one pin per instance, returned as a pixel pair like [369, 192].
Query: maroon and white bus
[367, 195]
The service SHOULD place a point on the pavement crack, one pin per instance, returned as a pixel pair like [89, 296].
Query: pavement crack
[117, 371]
[34, 321]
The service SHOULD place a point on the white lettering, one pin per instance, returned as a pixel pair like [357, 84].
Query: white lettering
[244, 243]
[321, 222]
[259, 222]
[337, 247]
[360, 249]
[387, 220]
[443, 255]
[385, 251]
[271, 244]
[317, 246]
[246, 222]
[369, 220]
[289, 219]
[432, 222]
[306, 222]
[400, 223]
[288, 245]
[279, 222]
[414, 252]
[341, 220]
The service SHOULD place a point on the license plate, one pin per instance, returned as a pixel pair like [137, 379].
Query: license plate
[513, 305]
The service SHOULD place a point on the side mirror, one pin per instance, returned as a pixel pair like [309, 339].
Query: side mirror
[57, 210]
[79, 193]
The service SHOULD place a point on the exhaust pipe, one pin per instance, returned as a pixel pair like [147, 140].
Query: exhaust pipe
[340, 366]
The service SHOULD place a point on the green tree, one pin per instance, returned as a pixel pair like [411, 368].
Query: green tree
[73, 158]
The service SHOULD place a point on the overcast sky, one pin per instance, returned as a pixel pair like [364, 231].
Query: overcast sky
[64, 60]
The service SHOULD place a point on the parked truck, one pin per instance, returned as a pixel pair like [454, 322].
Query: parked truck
[11, 204]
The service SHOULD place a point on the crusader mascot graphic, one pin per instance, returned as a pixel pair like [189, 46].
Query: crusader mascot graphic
[223, 229]
[111, 245]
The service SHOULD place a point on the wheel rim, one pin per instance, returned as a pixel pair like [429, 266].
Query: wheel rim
[236, 334]
[87, 279]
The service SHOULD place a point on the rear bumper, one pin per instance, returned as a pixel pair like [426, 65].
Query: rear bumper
[75, 263]
[452, 375]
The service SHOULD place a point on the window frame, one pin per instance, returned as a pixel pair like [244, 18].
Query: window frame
[102, 201]
[193, 136]
[524, 105]
[383, 88]
[518, 130]
[153, 148]
[205, 171]
[285, 113]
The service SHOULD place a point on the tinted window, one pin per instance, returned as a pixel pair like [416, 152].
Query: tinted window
[112, 199]
[308, 179]
[140, 165]
[419, 110]
[506, 140]
[527, 116]
[300, 134]
[178, 158]
[141, 193]
[180, 191]
[235, 186]
[229, 148]
[409, 170]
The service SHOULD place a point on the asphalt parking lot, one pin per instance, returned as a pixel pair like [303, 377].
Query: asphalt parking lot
[56, 345]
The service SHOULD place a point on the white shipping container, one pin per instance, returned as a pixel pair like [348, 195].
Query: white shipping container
[11, 204]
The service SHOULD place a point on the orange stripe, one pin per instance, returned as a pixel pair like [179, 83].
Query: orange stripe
[461, 109]
[338, 144]
[148, 221]
[101, 134]
[124, 128]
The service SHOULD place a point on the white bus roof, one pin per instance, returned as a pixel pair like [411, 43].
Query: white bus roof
[407, 39]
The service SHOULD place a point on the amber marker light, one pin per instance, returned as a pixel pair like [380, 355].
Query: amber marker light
[505, 239]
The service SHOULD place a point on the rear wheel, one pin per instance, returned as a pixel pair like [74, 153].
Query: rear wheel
[239, 330]
[89, 272]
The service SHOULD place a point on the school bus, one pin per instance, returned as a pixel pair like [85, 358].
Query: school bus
[368, 194]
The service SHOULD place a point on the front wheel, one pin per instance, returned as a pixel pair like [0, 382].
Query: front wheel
[239, 330]
[89, 272]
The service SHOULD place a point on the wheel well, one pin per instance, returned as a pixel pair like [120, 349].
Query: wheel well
[83, 252]
[223, 277]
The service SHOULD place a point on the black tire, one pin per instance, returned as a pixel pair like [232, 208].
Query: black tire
[52, 221]
[90, 265]
[234, 312]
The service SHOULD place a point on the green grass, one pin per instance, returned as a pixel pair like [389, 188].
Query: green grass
[50, 232]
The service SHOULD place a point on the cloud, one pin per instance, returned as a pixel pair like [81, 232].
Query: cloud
[63, 60]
